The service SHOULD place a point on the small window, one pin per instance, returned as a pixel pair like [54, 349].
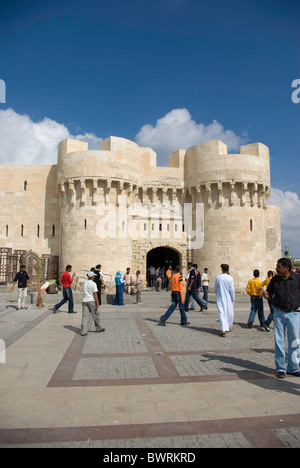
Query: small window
[160, 226]
[25, 185]
[53, 230]
[145, 227]
[22, 230]
[175, 227]
[85, 224]
[38, 231]
[251, 225]
[6, 230]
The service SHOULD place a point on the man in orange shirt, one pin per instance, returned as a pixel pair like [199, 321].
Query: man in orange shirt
[168, 277]
[177, 298]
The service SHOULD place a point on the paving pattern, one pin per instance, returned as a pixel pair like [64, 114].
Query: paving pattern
[140, 384]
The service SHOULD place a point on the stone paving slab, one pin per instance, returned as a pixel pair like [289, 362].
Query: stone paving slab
[140, 384]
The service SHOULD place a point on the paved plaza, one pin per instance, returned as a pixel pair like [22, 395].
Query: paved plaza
[140, 384]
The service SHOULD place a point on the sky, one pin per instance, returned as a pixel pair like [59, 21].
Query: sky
[164, 73]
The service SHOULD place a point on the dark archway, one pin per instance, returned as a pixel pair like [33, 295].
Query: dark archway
[163, 257]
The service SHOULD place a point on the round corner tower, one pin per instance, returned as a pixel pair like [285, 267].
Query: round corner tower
[91, 184]
[239, 228]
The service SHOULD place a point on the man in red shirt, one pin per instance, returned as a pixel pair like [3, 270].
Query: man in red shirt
[66, 281]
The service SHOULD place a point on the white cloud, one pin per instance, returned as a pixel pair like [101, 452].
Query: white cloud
[289, 204]
[26, 142]
[177, 130]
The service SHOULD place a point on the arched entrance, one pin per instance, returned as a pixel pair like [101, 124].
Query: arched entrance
[162, 257]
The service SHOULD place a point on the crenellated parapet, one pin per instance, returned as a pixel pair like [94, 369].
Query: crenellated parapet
[230, 193]
[84, 191]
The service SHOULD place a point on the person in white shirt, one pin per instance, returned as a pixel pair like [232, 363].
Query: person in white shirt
[205, 281]
[128, 280]
[224, 289]
[90, 304]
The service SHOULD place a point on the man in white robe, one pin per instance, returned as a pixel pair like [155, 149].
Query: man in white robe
[224, 289]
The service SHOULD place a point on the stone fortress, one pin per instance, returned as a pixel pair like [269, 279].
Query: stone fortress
[116, 207]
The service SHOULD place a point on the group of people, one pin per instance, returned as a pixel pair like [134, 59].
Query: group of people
[126, 284]
[160, 277]
[91, 300]
[282, 293]
[223, 287]
[193, 280]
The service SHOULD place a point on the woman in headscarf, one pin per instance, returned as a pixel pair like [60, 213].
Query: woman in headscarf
[119, 301]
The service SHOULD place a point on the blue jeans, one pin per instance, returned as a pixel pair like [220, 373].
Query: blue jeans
[257, 305]
[67, 296]
[286, 321]
[271, 315]
[176, 299]
[152, 281]
[205, 293]
[119, 295]
[198, 299]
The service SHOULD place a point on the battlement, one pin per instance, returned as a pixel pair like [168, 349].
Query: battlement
[255, 149]
[69, 146]
[204, 163]
[210, 162]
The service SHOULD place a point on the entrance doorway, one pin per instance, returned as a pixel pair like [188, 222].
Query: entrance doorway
[162, 257]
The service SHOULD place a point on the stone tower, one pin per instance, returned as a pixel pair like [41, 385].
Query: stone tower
[239, 228]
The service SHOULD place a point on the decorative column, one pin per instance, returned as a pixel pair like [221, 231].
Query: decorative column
[129, 195]
[253, 194]
[245, 190]
[72, 190]
[164, 195]
[62, 194]
[144, 195]
[83, 191]
[208, 192]
[154, 195]
[220, 193]
[107, 191]
[94, 192]
[174, 198]
[233, 195]
[120, 194]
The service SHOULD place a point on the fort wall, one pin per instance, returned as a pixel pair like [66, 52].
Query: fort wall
[76, 209]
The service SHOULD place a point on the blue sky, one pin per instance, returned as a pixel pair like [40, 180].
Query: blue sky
[161, 73]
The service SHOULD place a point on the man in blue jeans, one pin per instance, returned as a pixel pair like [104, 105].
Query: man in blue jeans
[284, 288]
[66, 281]
[256, 300]
[177, 298]
[192, 288]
